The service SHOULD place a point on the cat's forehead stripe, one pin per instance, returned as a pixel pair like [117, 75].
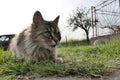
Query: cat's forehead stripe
[50, 26]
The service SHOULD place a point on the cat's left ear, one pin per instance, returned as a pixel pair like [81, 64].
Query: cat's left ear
[37, 18]
[56, 20]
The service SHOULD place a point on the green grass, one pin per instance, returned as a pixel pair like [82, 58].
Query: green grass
[73, 43]
[78, 60]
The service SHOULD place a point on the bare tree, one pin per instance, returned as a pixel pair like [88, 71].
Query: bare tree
[80, 19]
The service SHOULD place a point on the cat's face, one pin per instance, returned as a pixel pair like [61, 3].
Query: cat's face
[45, 32]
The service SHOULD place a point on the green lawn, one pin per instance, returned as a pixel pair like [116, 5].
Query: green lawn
[78, 60]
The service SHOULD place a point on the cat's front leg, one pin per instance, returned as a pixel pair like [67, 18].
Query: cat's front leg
[59, 60]
[56, 59]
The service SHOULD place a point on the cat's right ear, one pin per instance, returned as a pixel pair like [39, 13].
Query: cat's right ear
[37, 18]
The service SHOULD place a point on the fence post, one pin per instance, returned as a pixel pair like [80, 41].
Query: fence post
[66, 40]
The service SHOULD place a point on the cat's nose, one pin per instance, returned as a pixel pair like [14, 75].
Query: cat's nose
[56, 41]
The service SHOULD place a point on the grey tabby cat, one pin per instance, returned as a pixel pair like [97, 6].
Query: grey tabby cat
[37, 42]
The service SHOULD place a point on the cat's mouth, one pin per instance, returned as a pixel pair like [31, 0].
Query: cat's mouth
[52, 45]
[55, 43]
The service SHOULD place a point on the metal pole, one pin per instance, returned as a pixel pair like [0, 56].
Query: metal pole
[92, 20]
[119, 3]
[95, 21]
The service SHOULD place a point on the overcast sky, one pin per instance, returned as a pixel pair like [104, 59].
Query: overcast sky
[16, 15]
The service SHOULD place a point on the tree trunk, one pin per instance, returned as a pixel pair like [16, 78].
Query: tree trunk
[87, 36]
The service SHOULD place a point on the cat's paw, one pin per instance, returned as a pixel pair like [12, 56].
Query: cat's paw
[59, 60]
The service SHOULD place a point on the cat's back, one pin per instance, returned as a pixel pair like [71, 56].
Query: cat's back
[18, 38]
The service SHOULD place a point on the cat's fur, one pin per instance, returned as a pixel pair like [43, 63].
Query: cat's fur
[37, 42]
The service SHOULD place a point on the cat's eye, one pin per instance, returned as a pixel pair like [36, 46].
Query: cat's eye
[47, 35]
